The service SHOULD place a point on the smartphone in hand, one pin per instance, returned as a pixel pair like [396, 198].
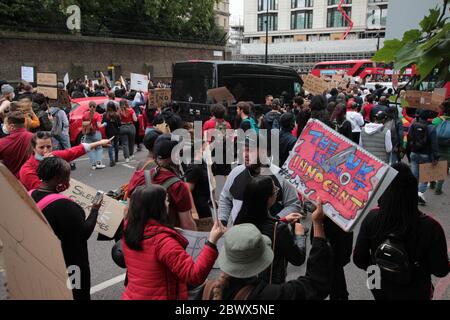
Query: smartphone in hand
[98, 199]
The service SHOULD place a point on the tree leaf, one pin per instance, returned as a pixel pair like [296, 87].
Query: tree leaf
[427, 64]
[429, 22]
[411, 36]
[388, 52]
[407, 55]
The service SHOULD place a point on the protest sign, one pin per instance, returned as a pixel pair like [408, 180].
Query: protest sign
[428, 172]
[66, 80]
[314, 85]
[47, 79]
[139, 82]
[34, 262]
[63, 98]
[27, 74]
[197, 241]
[158, 97]
[46, 84]
[221, 94]
[347, 178]
[110, 214]
[425, 99]
[51, 93]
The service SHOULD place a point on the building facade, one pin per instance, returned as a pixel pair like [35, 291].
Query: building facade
[302, 32]
[222, 14]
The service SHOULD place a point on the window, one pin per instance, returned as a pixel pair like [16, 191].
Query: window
[335, 19]
[273, 22]
[262, 5]
[301, 19]
[302, 4]
[335, 2]
[377, 16]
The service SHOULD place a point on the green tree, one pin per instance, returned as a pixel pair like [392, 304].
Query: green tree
[428, 47]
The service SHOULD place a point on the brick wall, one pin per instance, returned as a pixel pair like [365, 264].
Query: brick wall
[81, 55]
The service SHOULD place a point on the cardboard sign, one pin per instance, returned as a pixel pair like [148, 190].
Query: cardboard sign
[197, 241]
[425, 100]
[35, 267]
[63, 98]
[428, 172]
[347, 178]
[139, 82]
[111, 212]
[221, 94]
[51, 93]
[314, 85]
[47, 79]
[158, 97]
[27, 74]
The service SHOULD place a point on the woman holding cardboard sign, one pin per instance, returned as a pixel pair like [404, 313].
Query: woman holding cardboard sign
[67, 219]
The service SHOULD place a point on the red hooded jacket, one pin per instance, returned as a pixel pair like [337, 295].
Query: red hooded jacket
[161, 270]
[28, 173]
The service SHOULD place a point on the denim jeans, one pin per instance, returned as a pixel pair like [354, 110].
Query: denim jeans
[416, 160]
[95, 155]
[113, 151]
[127, 136]
[61, 142]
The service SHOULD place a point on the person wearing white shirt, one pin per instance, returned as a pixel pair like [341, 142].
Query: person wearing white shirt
[357, 121]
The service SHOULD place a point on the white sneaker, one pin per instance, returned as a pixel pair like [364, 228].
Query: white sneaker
[132, 157]
[100, 166]
[127, 160]
[422, 199]
[94, 167]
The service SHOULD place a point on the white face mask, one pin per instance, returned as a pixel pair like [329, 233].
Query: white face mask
[5, 129]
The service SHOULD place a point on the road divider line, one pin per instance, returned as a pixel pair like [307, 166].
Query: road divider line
[128, 166]
[108, 283]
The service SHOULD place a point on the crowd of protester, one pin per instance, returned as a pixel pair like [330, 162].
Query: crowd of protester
[261, 215]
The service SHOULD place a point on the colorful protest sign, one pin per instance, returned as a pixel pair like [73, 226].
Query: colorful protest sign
[34, 262]
[111, 212]
[158, 97]
[347, 178]
[139, 82]
[428, 172]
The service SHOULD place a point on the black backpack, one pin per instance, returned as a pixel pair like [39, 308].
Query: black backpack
[418, 137]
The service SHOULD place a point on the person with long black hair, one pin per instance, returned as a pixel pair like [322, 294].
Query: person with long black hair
[340, 122]
[422, 236]
[261, 194]
[66, 218]
[159, 267]
[112, 120]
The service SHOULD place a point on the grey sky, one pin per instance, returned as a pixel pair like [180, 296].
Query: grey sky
[237, 11]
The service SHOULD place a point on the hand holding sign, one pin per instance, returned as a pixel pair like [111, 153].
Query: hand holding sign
[217, 232]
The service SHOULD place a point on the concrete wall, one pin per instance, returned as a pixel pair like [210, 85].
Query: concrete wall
[81, 55]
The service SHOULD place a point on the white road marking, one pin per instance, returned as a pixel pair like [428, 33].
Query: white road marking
[108, 283]
[128, 166]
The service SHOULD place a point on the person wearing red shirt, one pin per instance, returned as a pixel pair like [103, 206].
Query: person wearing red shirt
[127, 130]
[92, 122]
[367, 108]
[180, 204]
[41, 144]
[15, 148]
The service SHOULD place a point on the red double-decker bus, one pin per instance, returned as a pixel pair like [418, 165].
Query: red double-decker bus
[353, 68]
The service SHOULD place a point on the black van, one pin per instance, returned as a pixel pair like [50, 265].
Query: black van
[246, 81]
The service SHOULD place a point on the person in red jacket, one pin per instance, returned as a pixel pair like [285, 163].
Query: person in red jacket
[42, 147]
[15, 148]
[159, 268]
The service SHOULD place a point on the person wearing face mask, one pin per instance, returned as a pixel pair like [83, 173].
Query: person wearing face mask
[66, 218]
[15, 147]
[41, 144]
[6, 98]
[256, 164]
